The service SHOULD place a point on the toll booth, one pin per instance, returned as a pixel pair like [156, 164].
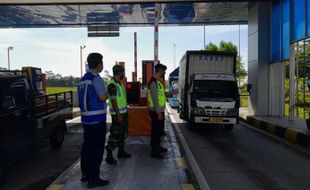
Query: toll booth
[147, 72]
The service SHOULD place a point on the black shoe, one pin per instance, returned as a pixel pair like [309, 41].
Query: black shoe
[110, 159]
[83, 179]
[157, 156]
[163, 150]
[97, 183]
[123, 154]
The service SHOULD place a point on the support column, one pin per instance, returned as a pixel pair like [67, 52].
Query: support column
[259, 57]
[292, 82]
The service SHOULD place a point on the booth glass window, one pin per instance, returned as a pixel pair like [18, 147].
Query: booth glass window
[302, 73]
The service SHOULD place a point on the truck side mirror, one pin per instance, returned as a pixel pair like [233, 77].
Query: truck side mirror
[249, 88]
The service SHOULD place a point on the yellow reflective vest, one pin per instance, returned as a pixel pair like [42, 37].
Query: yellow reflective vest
[120, 98]
[161, 95]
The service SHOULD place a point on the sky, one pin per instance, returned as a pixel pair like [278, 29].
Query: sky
[58, 49]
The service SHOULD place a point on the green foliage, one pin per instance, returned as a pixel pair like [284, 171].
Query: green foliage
[56, 80]
[211, 47]
[52, 90]
[228, 47]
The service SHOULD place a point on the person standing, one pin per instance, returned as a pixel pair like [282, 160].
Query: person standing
[92, 102]
[157, 101]
[118, 111]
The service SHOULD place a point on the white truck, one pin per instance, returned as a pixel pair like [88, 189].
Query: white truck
[208, 91]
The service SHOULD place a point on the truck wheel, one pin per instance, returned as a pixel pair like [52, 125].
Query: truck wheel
[57, 138]
[229, 127]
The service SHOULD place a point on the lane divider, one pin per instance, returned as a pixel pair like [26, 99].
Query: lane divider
[289, 134]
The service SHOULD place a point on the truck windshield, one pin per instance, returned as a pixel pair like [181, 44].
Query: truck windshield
[210, 89]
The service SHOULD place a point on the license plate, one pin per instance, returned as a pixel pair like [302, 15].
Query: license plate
[215, 119]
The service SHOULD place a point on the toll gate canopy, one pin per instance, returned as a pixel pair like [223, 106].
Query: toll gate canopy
[75, 13]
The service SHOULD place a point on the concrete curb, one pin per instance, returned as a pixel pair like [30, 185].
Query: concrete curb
[289, 134]
[202, 183]
[182, 168]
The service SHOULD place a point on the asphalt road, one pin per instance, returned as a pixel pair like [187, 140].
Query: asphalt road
[42, 167]
[246, 159]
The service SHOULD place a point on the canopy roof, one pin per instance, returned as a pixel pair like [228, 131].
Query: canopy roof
[74, 13]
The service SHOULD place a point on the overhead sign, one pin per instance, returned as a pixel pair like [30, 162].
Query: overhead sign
[103, 28]
[103, 34]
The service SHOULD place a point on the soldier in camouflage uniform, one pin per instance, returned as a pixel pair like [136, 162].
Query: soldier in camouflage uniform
[118, 111]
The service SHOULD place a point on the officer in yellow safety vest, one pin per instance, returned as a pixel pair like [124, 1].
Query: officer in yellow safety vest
[157, 101]
[118, 111]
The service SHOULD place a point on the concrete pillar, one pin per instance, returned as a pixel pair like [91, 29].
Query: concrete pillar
[259, 57]
[276, 93]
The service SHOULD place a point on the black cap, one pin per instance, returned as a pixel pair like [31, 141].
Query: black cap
[160, 66]
[117, 69]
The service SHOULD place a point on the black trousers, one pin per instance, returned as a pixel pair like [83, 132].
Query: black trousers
[157, 131]
[93, 149]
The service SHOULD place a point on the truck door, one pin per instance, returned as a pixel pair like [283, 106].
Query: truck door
[16, 129]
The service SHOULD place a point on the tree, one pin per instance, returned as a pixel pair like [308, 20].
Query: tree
[211, 47]
[50, 75]
[241, 73]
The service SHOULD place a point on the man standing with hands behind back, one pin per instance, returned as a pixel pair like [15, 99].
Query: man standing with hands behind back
[118, 111]
[92, 95]
[157, 101]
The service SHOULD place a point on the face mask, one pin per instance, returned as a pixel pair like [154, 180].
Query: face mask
[122, 76]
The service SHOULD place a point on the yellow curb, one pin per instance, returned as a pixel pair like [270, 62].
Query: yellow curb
[181, 163]
[187, 187]
[291, 134]
[271, 128]
[56, 187]
[256, 123]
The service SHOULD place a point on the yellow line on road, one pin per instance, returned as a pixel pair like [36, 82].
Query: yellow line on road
[56, 187]
[187, 187]
[181, 163]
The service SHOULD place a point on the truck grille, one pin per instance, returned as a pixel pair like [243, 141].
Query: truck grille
[215, 112]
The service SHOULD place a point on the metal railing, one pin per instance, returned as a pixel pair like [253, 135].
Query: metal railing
[46, 104]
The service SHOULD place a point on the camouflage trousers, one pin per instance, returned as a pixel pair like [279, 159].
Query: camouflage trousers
[118, 132]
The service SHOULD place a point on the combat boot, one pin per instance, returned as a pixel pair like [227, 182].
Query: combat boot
[122, 153]
[109, 159]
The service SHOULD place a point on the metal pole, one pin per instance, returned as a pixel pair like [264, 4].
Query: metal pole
[9, 58]
[239, 53]
[81, 67]
[173, 56]
[81, 59]
[135, 57]
[9, 61]
[204, 37]
[156, 34]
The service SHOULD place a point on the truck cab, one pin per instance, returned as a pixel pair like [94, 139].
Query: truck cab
[27, 117]
[213, 99]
